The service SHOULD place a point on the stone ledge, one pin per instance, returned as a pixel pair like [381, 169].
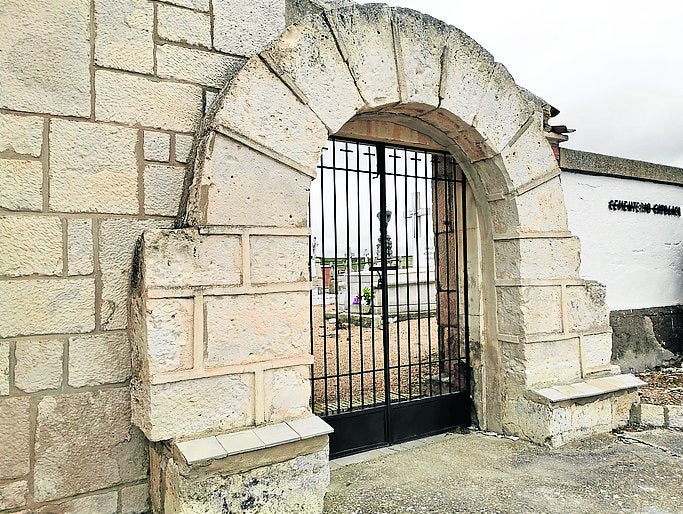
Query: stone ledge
[198, 451]
[588, 389]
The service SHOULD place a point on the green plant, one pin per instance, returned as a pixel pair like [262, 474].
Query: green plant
[368, 295]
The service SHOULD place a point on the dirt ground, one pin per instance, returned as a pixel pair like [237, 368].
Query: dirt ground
[631, 472]
[664, 386]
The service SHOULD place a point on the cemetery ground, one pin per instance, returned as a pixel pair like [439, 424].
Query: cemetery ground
[640, 472]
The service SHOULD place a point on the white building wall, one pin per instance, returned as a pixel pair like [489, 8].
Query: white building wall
[637, 255]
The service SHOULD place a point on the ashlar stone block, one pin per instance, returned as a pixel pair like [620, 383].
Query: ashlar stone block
[674, 416]
[157, 146]
[13, 495]
[22, 135]
[245, 27]
[4, 368]
[529, 310]
[288, 393]
[184, 258]
[252, 328]
[542, 208]
[80, 247]
[135, 499]
[45, 63]
[195, 407]
[279, 259]
[170, 323]
[183, 147]
[365, 36]
[468, 70]
[14, 437]
[85, 442]
[552, 362]
[21, 185]
[101, 503]
[529, 157]
[136, 100]
[32, 245]
[124, 35]
[422, 40]
[54, 306]
[596, 352]
[163, 189]
[98, 359]
[38, 365]
[83, 180]
[586, 307]
[117, 242]
[183, 26]
[238, 179]
[651, 415]
[308, 54]
[503, 109]
[537, 258]
[193, 65]
[260, 106]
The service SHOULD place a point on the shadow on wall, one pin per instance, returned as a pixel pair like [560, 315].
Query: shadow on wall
[647, 338]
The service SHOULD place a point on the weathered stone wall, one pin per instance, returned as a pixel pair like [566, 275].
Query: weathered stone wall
[98, 105]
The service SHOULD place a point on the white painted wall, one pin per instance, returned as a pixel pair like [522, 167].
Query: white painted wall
[638, 256]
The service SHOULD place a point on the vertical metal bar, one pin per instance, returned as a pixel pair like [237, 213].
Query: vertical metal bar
[429, 306]
[419, 299]
[454, 184]
[381, 170]
[310, 301]
[372, 283]
[349, 266]
[324, 306]
[360, 282]
[409, 321]
[396, 289]
[336, 274]
[465, 286]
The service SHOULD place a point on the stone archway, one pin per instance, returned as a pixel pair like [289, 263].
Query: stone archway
[219, 303]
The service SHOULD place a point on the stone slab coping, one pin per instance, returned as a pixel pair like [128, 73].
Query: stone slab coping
[589, 388]
[225, 445]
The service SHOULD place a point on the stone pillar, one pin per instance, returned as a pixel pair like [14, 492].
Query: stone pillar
[221, 365]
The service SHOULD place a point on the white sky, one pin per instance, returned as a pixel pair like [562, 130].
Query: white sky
[613, 68]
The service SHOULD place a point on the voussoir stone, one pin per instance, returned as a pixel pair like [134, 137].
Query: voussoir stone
[365, 37]
[308, 54]
[85, 442]
[260, 106]
[468, 71]
[45, 62]
[238, 178]
[422, 40]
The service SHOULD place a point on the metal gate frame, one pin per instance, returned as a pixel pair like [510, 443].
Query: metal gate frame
[391, 422]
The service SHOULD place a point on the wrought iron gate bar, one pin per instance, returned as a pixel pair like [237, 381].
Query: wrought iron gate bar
[417, 381]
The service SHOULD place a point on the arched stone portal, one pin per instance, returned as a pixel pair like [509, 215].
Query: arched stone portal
[220, 312]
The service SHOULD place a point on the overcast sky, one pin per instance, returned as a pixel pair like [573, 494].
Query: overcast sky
[613, 68]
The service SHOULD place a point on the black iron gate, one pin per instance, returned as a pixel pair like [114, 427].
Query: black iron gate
[389, 322]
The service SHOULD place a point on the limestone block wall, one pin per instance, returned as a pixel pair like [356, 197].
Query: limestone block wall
[219, 342]
[98, 106]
